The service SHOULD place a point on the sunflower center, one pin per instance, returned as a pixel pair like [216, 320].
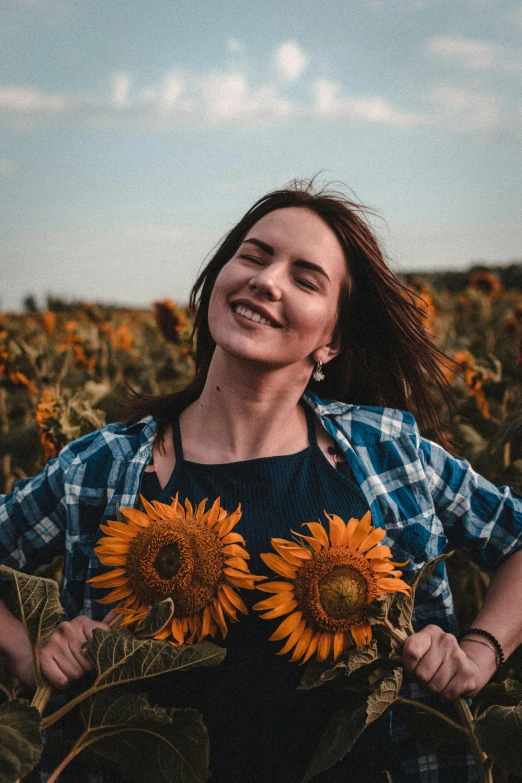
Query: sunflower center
[334, 587]
[342, 592]
[168, 561]
[179, 559]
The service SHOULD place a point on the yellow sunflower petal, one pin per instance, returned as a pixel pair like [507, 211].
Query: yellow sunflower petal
[283, 608]
[362, 530]
[212, 515]
[237, 562]
[207, 619]
[337, 528]
[349, 531]
[325, 645]
[362, 634]
[227, 606]
[380, 552]
[227, 524]
[217, 614]
[373, 538]
[287, 554]
[149, 509]
[275, 600]
[189, 509]
[201, 509]
[276, 587]
[234, 598]
[310, 540]
[138, 517]
[312, 647]
[111, 560]
[338, 644]
[167, 512]
[94, 580]
[124, 529]
[113, 546]
[319, 533]
[177, 630]
[302, 645]
[293, 639]
[278, 565]
[393, 585]
[237, 551]
[233, 538]
[287, 626]
[115, 595]
[109, 581]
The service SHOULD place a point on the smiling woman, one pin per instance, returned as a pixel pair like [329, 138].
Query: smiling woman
[297, 299]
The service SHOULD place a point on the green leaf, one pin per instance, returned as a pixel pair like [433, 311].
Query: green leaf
[348, 723]
[119, 657]
[33, 600]
[156, 620]
[145, 743]
[317, 674]
[385, 691]
[344, 728]
[20, 739]
[432, 732]
[499, 731]
[402, 606]
[507, 694]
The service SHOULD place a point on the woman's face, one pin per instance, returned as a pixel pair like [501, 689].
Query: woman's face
[276, 301]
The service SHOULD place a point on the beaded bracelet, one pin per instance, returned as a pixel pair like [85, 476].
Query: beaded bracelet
[487, 635]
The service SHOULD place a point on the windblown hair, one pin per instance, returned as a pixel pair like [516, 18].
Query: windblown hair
[386, 352]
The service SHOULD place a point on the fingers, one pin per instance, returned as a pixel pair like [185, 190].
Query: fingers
[435, 659]
[61, 658]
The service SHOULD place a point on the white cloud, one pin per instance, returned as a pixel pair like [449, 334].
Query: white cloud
[227, 96]
[30, 100]
[329, 102]
[121, 89]
[235, 46]
[172, 90]
[464, 110]
[290, 61]
[475, 53]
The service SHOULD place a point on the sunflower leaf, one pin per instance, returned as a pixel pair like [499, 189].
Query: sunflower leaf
[498, 731]
[348, 723]
[119, 657]
[317, 674]
[385, 690]
[507, 693]
[33, 600]
[156, 620]
[145, 743]
[20, 739]
[344, 728]
[402, 606]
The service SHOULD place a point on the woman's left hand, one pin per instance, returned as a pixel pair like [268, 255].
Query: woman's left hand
[446, 668]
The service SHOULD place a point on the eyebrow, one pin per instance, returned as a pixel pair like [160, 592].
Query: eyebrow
[299, 262]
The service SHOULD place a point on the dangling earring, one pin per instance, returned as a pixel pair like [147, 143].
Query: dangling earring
[317, 375]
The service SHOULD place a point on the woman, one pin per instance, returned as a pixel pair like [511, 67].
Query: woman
[298, 287]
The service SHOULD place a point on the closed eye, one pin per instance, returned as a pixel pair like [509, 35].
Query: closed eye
[307, 284]
[253, 259]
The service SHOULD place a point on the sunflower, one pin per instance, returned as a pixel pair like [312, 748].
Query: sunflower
[171, 320]
[329, 583]
[187, 554]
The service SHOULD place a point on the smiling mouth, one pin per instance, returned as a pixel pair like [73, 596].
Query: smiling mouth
[251, 315]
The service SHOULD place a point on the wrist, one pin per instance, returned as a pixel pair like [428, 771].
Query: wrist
[482, 655]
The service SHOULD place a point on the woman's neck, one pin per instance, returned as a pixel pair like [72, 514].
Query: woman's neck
[245, 412]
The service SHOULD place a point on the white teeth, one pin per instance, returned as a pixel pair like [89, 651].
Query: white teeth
[247, 313]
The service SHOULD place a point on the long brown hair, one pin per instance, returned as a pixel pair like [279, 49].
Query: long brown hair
[386, 354]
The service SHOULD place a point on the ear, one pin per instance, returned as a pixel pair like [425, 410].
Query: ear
[330, 350]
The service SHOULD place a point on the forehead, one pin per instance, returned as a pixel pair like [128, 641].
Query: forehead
[301, 233]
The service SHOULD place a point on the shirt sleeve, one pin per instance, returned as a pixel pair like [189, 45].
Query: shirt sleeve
[33, 519]
[477, 516]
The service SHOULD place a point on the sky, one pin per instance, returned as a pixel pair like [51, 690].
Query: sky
[134, 134]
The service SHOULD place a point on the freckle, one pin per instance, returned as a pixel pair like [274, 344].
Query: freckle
[218, 389]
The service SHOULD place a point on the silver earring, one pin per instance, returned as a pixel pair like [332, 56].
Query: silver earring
[317, 375]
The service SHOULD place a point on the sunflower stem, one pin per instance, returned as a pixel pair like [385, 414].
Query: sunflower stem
[432, 711]
[42, 696]
[396, 633]
[483, 763]
[54, 716]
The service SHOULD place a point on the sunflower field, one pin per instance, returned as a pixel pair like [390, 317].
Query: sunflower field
[65, 369]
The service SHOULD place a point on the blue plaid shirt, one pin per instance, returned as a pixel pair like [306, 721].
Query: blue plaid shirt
[425, 498]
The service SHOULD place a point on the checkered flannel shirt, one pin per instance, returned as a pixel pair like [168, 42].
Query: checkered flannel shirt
[425, 498]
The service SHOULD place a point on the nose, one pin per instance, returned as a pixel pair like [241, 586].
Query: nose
[266, 283]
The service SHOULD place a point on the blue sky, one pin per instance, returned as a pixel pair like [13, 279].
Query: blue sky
[134, 134]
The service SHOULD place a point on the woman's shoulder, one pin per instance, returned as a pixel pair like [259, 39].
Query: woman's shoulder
[365, 422]
[117, 440]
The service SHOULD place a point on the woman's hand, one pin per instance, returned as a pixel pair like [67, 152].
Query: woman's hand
[446, 668]
[61, 659]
